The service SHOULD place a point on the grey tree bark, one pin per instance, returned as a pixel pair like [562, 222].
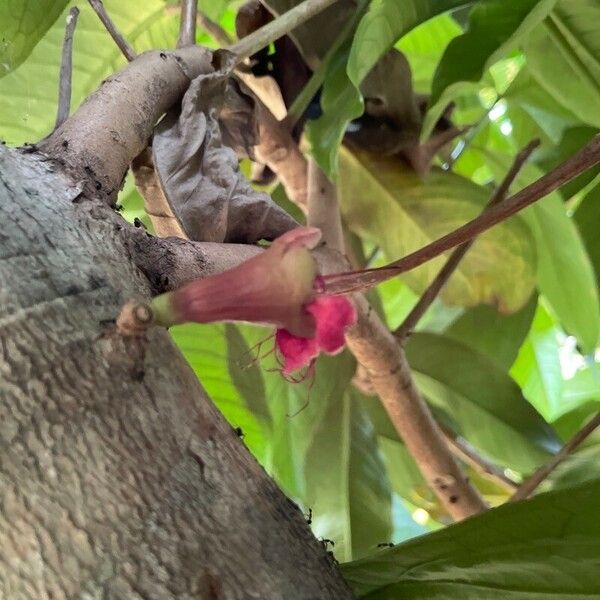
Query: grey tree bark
[118, 477]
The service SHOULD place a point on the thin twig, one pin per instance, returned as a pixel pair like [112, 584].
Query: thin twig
[588, 156]
[214, 30]
[430, 294]
[187, 23]
[127, 51]
[531, 484]
[279, 27]
[66, 70]
[463, 450]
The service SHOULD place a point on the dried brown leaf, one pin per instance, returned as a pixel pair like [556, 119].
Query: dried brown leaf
[194, 153]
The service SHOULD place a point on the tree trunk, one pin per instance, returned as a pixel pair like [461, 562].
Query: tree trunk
[118, 477]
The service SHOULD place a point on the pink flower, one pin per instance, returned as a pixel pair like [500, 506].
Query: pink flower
[332, 315]
[276, 287]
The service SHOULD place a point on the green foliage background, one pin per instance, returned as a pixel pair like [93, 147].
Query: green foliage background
[513, 382]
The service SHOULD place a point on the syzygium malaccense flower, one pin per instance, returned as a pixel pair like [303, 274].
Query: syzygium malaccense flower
[277, 287]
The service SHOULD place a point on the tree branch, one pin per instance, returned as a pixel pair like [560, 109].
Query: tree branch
[463, 450]
[389, 373]
[323, 209]
[278, 150]
[170, 262]
[430, 294]
[588, 156]
[66, 70]
[376, 350]
[128, 52]
[187, 23]
[531, 484]
[99, 141]
[279, 27]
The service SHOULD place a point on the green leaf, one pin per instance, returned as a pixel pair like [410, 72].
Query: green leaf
[28, 96]
[587, 218]
[526, 94]
[246, 375]
[546, 547]
[341, 102]
[296, 409]
[424, 46]
[497, 336]
[388, 204]
[347, 485]
[573, 139]
[486, 405]
[566, 48]
[23, 23]
[580, 391]
[205, 348]
[581, 466]
[565, 273]
[384, 24]
[495, 28]
[537, 369]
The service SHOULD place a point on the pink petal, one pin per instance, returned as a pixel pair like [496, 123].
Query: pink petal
[332, 314]
[297, 351]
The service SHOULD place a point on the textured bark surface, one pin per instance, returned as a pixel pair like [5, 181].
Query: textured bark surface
[118, 477]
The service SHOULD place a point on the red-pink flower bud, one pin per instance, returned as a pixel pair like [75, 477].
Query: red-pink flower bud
[271, 288]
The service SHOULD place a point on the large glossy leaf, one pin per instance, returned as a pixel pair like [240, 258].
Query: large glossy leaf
[487, 406]
[547, 547]
[340, 103]
[384, 24]
[22, 24]
[566, 48]
[573, 139]
[565, 273]
[587, 217]
[579, 467]
[205, 348]
[388, 204]
[537, 368]
[497, 336]
[526, 94]
[495, 27]
[347, 484]
[296, 409]
[28, 95]
[424, 46]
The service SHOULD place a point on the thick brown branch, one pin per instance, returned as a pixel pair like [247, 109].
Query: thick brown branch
[170, 262]
[453, 261]
[323, 209]
[584, 159]
[187, 23]
[98, 142]
[280, 152]
[66, 70]
[128, 52]
[278, 27]
[530, 485]
[389, 373]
